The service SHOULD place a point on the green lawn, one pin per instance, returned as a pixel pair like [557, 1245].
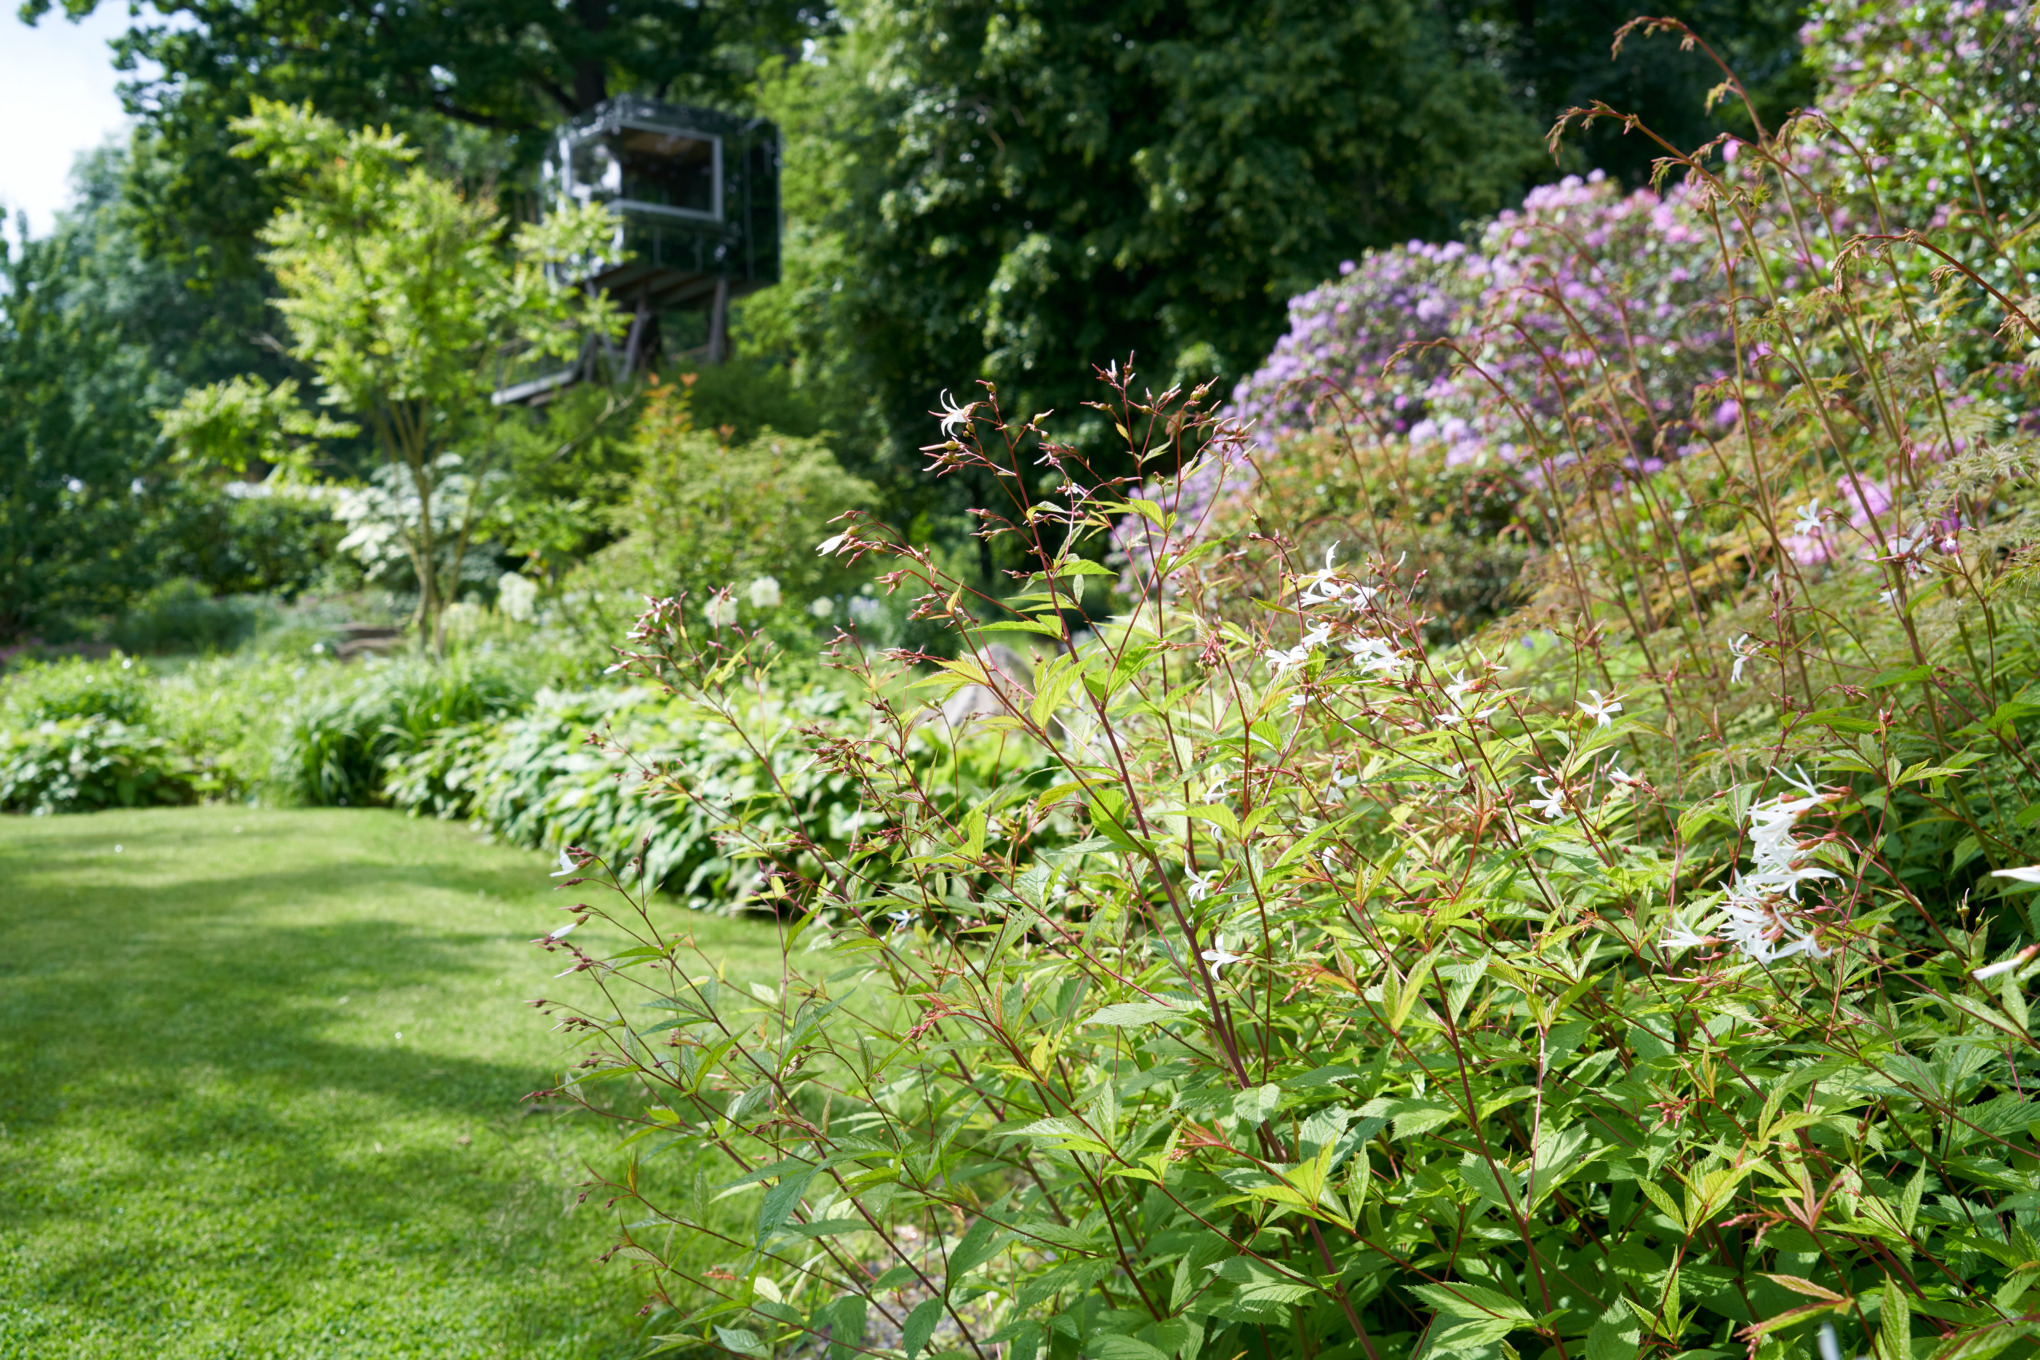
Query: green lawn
[260, 1094]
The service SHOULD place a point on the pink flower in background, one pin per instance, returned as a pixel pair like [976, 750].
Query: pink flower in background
[1866, 498]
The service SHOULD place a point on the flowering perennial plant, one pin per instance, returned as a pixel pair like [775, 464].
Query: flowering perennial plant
[1301, 989]
[1638, 971]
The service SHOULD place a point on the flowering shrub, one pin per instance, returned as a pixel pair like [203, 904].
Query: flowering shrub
[1583, 288]
[1640, 971]
[1594, 328]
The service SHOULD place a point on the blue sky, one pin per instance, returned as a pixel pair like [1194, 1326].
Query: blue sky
[56, 100]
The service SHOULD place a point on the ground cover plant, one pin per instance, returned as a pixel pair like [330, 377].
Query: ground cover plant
[261, 1094]
[1638, 970]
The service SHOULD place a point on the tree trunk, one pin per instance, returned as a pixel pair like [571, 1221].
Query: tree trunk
[591, 80]
[419, 461]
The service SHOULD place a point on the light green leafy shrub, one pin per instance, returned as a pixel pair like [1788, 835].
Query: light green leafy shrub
[84, 764]
[674, 787]
[48, 691]
[230, 713]
[707, 516]
[180, 615]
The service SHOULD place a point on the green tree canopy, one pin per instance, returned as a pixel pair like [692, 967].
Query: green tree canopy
[403, 296]
[1022, 191]
[508, 69]
[1556, 55]
[95, 334]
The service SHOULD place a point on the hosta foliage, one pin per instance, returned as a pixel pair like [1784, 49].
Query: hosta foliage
[84, 764]
[679, 789]
[541, 779]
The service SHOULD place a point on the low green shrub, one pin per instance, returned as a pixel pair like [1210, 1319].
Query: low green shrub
[180, 615]
[707, 516]
[1653, 989]
[37, 692]
[84, 764]
[230, 713]
[545, 779]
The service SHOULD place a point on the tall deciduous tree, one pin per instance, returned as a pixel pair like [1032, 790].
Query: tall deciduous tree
[402, 296]
[1020, 191]
[508, 68]
[1559, 54]
[94, 334]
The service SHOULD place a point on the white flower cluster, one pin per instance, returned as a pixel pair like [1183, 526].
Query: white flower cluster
[517, 597]
[1333, 593]
[1755, 916]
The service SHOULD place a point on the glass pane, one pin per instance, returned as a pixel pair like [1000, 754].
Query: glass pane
[673, 170]
[596, 173]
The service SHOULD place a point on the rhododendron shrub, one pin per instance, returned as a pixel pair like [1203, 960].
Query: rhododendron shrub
[1582, 288]
[1591, 329]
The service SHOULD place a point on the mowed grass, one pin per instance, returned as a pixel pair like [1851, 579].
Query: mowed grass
[261, 1081]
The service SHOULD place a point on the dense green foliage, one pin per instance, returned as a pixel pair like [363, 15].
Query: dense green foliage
[338, 746]
[94, 335]
[707, 515]
[1019, 195]
[537, 780]
[1635, 968]
[86, 764]
[1556, 56]
[480, 83]
[401, 296]
[1515, 834]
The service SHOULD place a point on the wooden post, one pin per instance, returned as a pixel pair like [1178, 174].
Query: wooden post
[633, 349]
[719, 322]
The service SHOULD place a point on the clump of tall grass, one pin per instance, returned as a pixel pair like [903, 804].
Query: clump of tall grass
[337, 748]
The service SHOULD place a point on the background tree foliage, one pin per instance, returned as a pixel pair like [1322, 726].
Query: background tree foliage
[1015, 191]
[96, 333]
[440, 73]
[402, 296]
[1556, 55]
[1024, 191]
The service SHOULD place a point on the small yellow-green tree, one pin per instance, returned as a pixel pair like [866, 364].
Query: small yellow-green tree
[402, 294]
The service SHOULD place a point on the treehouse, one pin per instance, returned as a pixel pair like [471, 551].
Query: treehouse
[695, 194]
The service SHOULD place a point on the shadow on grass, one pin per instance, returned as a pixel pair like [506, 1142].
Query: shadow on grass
[194, 1130]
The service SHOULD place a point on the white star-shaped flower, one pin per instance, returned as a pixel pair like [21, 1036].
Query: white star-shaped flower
[1601, 710]
[1218, 956]
[1742, 649]
[954, 417]
[1678, 936]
